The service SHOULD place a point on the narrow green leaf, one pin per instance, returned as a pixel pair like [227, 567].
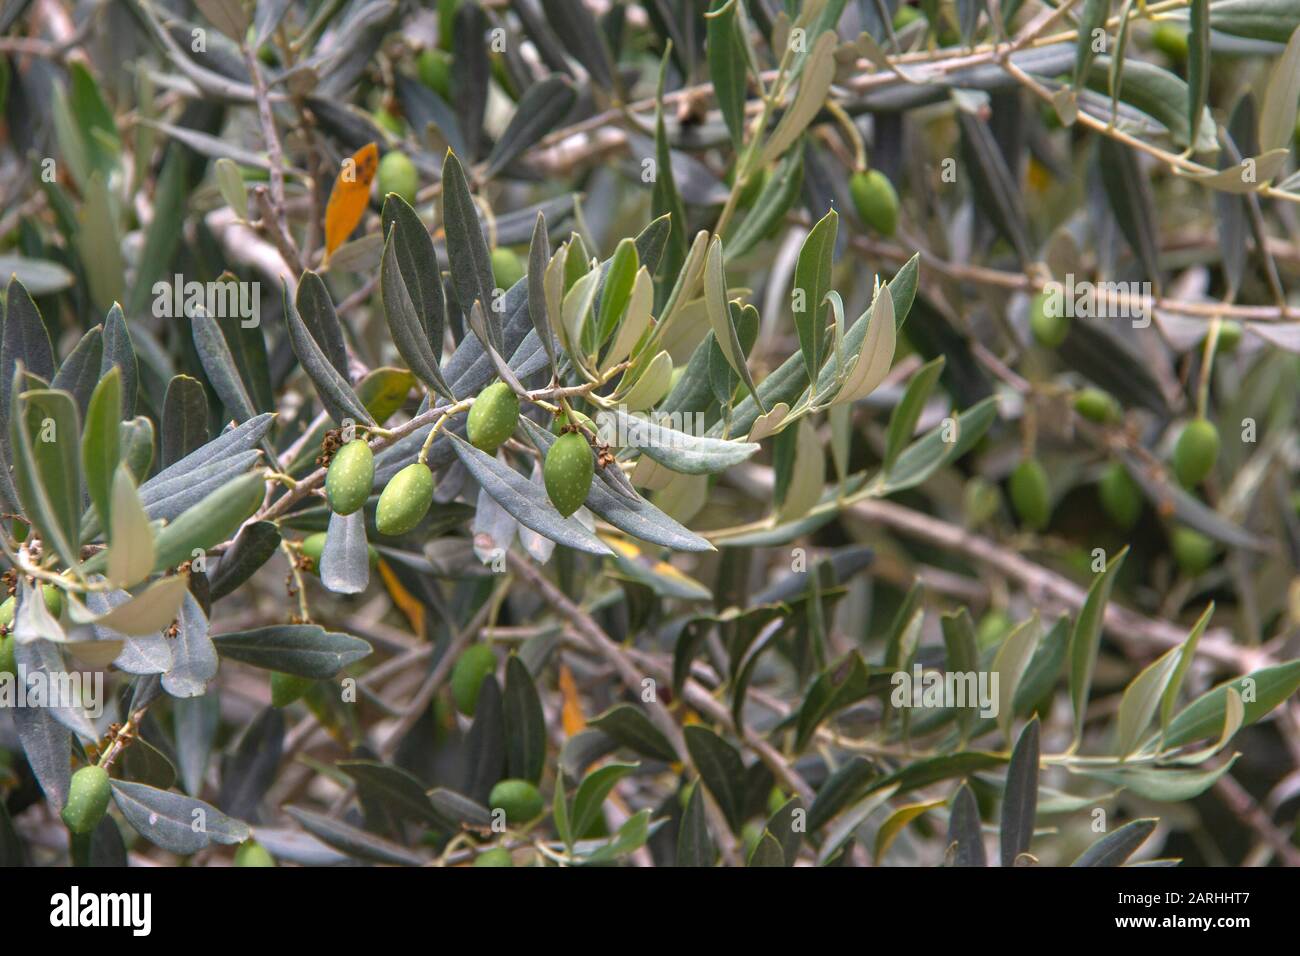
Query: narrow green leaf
[727, 69]
[130, 555]
[1118, 845]
[1277, 118]
[47, 467]
[525, 723]
[715, 296]
[1020, 798]
[1086, 638]
[812, 280]
[100, 448]
[721, 769]
[541, 109]
[467, 250]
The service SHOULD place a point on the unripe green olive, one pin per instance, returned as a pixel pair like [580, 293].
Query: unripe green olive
[286, 688]
[388, 122]
[53, 599]
[434, 69]
[992, 627]
[8, 664]
[1193, 551]
[1229, 336]
[497, 856]
[1171, 41]
[1121, 498]
[405, 500]
[520, 800]
[350, 476]
[312, 547]
[1049, 328]
[492, 417]
[252, 853]
[88, 797]
[472, 668]
[1030, 494]
[1097, 406]
[875, 200]
[561, 420]
[905, 17]
[776, 799]
[53, 603]
[568, 471]
[1196, 452]
[506, 267]
[397, 174]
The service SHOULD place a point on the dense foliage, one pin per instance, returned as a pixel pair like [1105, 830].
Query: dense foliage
[559, 432]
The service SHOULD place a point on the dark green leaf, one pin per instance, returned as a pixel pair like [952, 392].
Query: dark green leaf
[307, 650]
[525, 723]
[1020, 799]
[721, 769]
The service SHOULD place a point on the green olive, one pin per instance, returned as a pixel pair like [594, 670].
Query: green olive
[88, 797]
[287, 688]
[434, 69]
[1047, 321]
[350, 476]
[493, 417]
[520, 800]
[875, 200]
[1193, 551]
[1196, 451]
[568, 471]
[472, 668]
[252, 853]
[506, 267]
[1030, 494]
[397, 174]
[1121, 498]
[1097, 406]
[405, 500]
[497, 856]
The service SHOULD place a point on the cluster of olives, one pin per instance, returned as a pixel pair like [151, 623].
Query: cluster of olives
[53, 603]
[1195, 453]
[407, 497]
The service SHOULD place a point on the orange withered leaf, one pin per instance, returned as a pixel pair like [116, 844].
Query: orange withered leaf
[350, 195]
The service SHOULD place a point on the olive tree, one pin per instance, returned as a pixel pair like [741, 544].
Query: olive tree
[577, 433]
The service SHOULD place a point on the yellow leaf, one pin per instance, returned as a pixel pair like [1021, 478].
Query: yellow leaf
[409, 606]
[897, 821]
[350, 196]
[571, 713]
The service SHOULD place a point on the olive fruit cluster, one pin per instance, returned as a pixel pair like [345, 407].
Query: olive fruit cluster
[492, 420]
[53, 603]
